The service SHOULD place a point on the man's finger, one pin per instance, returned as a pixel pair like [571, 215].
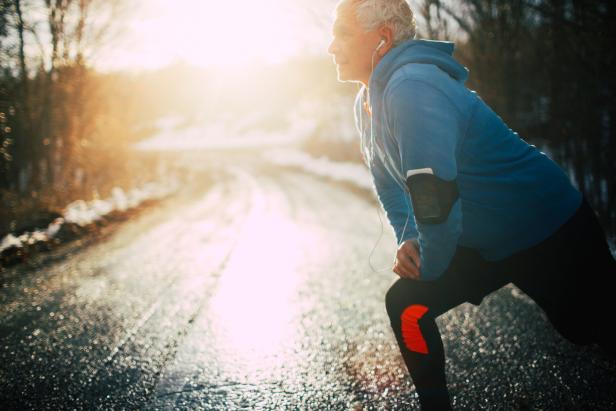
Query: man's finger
[398, 269]
[411, 251]
[406, 268]
[407, 265]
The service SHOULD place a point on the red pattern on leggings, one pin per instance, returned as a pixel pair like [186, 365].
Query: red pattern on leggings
[411, 334]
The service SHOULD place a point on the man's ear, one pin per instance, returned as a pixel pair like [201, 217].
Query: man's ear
[387, 34]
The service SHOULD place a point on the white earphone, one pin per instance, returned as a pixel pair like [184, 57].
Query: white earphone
[381, 44]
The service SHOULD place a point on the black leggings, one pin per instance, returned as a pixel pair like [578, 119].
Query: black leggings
[571, 276]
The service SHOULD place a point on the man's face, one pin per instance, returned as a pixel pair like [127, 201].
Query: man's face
[351, 47]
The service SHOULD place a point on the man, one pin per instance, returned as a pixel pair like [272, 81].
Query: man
[473, 206]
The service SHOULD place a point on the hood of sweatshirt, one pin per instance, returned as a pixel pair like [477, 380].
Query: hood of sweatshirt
[438, 53]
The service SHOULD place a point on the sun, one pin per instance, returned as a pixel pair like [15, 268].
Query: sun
[211, 33]
[241, 31]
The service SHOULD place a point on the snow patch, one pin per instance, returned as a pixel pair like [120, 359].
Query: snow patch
[84, 213]
[9, 241]
[353, 173]
[232, 134]
[53, 228]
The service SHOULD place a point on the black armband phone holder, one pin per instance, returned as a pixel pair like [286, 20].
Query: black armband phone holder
[431, 196]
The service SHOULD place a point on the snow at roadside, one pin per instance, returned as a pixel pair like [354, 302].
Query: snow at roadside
[224, 134]
[83, 213]
[353, 173]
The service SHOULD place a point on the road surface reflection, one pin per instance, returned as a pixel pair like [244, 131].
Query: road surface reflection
[255, 309]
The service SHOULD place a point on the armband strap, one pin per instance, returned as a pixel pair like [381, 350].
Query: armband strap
[431, 196]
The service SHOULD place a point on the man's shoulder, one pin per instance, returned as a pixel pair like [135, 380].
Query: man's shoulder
[428, 75]
[421, 80]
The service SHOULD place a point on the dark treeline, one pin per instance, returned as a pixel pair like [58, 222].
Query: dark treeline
[63, 126]
[42, 104]
[546, 66]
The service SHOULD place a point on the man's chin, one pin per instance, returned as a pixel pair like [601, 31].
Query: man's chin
[343, 77]
[347, 80]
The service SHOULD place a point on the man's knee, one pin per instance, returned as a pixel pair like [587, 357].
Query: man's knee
[405, 292]
[397, 298]
[405, 313]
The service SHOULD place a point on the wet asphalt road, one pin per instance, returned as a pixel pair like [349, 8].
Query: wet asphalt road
[255, 293]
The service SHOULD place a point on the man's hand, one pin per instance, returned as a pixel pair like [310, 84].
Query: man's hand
[407, 262]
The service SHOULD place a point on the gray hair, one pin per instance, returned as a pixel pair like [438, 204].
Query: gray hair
[372, 14]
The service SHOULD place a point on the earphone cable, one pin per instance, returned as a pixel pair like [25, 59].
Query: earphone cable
[370, 160]
[408, 215]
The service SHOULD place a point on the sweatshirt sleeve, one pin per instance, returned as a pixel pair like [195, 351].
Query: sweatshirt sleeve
[395, 202]
[427, 128]
[392, 197]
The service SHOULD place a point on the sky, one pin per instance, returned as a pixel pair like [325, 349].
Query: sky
[205, 33]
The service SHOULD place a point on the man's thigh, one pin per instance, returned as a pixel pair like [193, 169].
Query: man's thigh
[469, 278]
[570, 276]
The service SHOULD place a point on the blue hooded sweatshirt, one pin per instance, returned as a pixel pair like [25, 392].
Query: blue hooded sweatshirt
[511, 195]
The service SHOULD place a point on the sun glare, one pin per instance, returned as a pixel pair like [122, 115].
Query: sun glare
[255, 307]
[210, 33]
